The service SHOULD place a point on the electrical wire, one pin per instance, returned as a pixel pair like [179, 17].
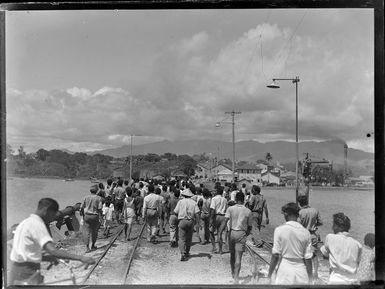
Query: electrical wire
[280, 53]
[260, 38]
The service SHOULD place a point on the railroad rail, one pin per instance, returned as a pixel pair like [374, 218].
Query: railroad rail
[132, 254]
[102, 256]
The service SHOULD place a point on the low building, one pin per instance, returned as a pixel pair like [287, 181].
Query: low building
[224, 173]
[202, 171]
[288, 178]
[262, 167]
[269, 177]
[249, 172]
[158, 178]
[178, 175]
[361, 181]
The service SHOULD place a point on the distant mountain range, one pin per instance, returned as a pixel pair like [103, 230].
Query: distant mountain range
[282, 151]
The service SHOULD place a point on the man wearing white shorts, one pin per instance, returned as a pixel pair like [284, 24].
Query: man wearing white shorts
[292, 242]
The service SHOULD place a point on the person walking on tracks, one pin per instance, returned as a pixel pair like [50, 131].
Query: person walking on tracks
[151, 210]
[218, 208]
[173, 201]
[293, 244]
[31, 238]
[187, 211]
[239, 219]
[204, 204]
[257, 205]
[161, 213]
[120, 195]
[91, 210]
[311, 220]
[343, 251]
[108, 215]
[128, 213]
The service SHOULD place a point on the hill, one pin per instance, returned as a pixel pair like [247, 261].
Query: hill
[359, 162]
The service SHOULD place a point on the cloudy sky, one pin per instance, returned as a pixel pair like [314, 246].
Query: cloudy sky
[87, 80]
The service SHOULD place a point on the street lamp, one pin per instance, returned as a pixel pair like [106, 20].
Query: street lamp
[218, 124]
[274, 85]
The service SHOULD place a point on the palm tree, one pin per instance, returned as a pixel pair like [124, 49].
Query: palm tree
[268, 157]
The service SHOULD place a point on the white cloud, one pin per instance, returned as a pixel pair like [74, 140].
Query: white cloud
[81, 93]
[194, 44]
[190, 84]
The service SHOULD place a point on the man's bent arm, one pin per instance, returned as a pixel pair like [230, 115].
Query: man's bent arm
[61, 254]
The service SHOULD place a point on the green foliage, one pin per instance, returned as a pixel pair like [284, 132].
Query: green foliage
[152, 158]
[169, 156]
[80, 165]
[42, 154]
[21, 153]
[9, 151]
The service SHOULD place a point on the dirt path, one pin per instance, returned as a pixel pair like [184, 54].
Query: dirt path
[159, 263]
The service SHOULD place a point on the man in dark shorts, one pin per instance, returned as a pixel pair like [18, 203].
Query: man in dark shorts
[31, 238]
[310, 218]
[239, 218]
[218, 208]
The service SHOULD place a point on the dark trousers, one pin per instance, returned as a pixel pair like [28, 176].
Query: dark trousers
[206, 225]
[173, 228]
[256, 221]
[91, 224]
[26, 273]
[186, 230]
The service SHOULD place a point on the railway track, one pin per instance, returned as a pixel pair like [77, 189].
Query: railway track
[78, 275]
[117, 257]
[259, 255]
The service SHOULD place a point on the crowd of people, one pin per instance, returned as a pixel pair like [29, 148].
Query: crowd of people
[219, 215]
[232, 215]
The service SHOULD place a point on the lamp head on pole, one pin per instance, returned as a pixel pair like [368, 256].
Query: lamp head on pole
[218, 124]
[273, 85]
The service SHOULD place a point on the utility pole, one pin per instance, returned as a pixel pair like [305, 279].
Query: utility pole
[131, 159]
[233, 113]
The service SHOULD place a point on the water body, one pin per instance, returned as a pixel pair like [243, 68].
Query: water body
[23, 195]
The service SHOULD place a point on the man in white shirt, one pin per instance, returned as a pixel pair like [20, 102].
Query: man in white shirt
[292, 243]
[239, 218]
[218, 208]
[234, 191]
[187, 212]
[343, 251]
[31, 238]
[151, 211]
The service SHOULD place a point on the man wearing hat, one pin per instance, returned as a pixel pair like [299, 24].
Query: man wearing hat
[91, 210]
[187, 211]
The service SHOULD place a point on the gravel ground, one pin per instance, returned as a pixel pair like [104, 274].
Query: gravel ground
[156, 264]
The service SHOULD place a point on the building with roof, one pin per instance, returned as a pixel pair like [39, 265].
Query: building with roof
[249, 172]
[203, 171]
[223, 173]
[269, 177]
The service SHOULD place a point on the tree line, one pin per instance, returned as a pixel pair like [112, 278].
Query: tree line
[58, 163]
